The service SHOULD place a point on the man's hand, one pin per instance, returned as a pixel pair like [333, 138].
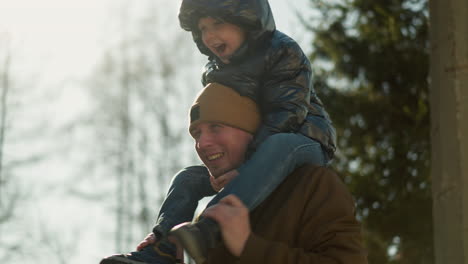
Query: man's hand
[233, 218]
[218, 183]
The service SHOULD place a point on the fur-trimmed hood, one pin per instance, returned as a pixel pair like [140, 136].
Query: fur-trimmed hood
[254, 16]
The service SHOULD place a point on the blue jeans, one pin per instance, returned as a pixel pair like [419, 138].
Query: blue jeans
[258, 177]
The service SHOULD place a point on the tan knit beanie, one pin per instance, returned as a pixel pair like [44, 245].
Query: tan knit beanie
[221, 104]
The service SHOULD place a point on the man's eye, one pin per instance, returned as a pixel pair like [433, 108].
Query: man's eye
[196, 134]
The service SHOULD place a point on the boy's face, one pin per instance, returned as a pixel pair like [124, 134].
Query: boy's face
[220, 37]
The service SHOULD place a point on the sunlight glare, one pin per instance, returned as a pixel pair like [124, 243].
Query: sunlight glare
[53, 26]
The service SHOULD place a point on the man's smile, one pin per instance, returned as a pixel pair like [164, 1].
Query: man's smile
[215, 156]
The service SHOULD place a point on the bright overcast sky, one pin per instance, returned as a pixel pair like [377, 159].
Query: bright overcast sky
[58, 25]
[51, 28]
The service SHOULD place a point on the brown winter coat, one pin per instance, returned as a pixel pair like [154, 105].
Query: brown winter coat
[308, 219]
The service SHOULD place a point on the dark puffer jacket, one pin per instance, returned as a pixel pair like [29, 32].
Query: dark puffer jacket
[269, 67]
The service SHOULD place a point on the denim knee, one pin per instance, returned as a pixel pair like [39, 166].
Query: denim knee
[301, 149]
[286, 141]
[187, 175]
[194, 179]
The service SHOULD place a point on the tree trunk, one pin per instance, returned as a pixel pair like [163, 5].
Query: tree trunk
[449, 131]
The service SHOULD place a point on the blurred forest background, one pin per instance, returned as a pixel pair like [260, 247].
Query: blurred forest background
[90, 138]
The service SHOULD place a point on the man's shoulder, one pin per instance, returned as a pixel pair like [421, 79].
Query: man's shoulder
[316, 181]
[313, 173]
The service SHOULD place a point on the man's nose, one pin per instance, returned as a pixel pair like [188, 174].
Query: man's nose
[204, 140]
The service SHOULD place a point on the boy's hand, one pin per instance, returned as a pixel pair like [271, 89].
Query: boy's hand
[218, 183]
[151, 239]
[233, 218]
[148, 240]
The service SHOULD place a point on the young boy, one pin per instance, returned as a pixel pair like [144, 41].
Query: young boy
[247, 53]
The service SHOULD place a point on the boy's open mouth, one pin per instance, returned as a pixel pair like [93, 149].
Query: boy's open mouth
[220, 48]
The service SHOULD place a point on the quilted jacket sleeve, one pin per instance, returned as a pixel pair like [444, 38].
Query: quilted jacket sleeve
[285, 91]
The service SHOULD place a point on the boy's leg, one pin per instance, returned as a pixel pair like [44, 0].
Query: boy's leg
[277, 157]
[187, 187]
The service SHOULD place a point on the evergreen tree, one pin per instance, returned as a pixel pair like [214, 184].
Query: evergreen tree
[371, 70]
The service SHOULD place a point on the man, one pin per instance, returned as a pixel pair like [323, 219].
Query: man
[309, 218]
